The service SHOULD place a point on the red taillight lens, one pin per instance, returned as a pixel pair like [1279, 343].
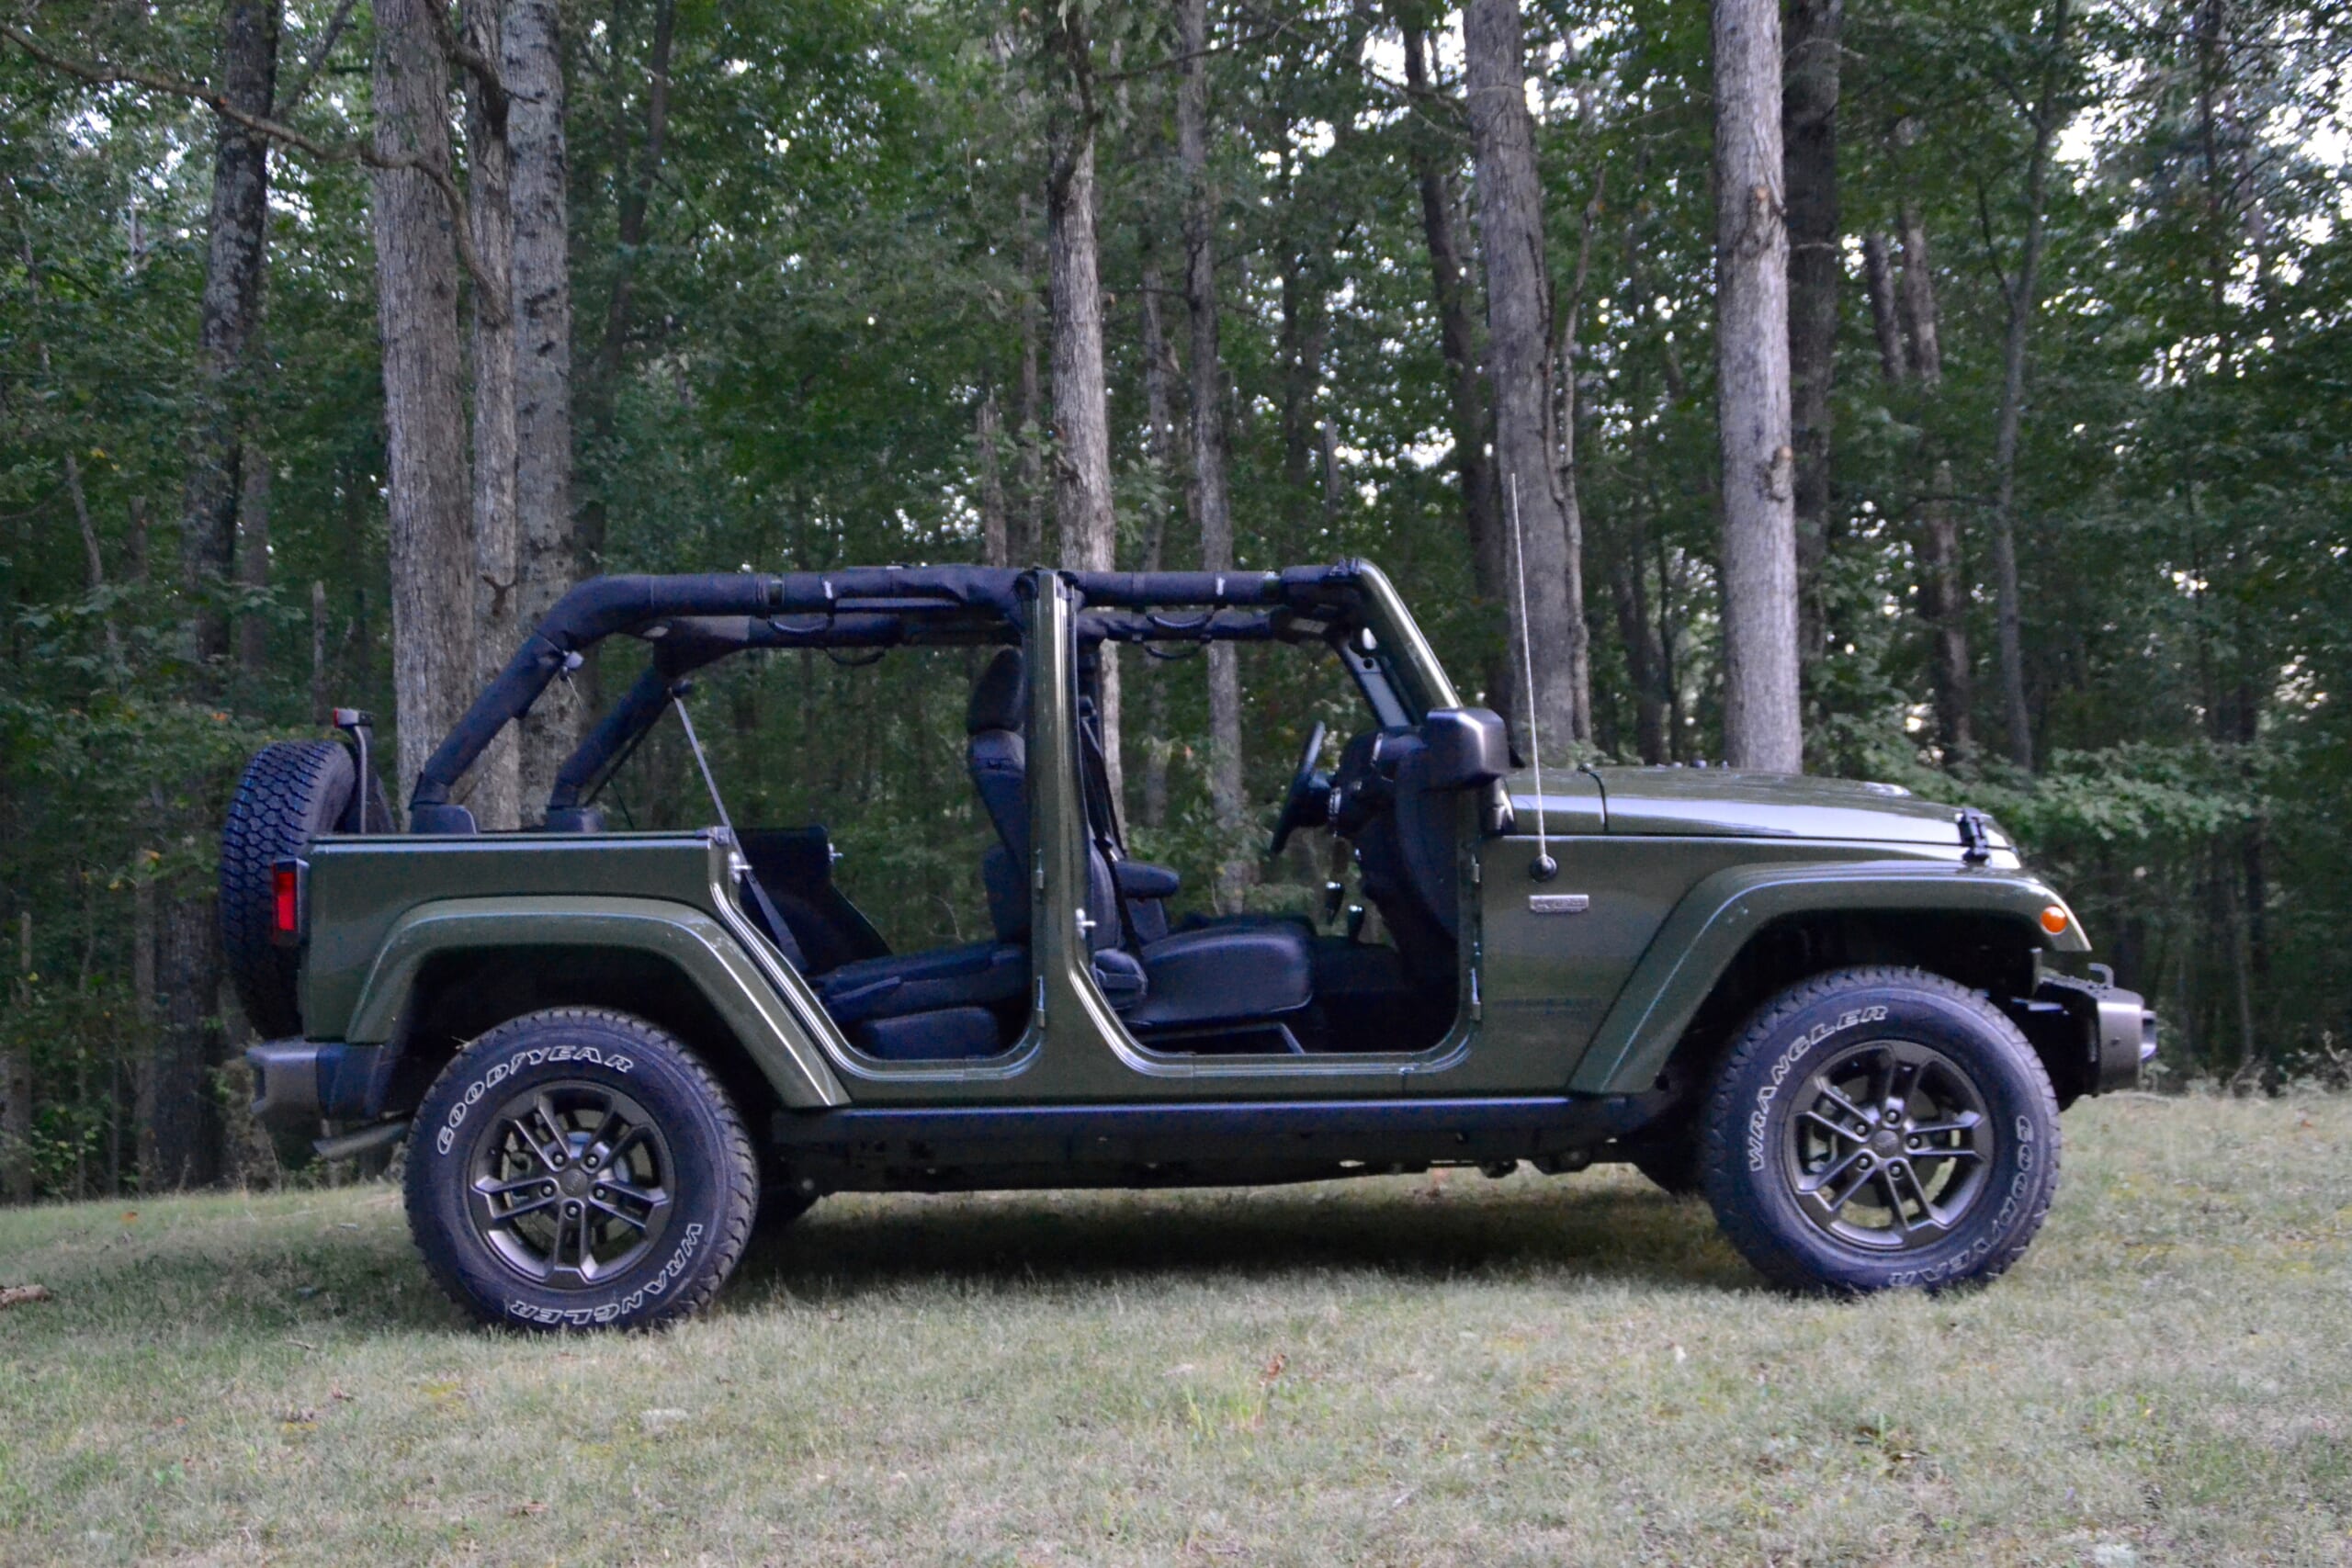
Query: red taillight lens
[285, 888]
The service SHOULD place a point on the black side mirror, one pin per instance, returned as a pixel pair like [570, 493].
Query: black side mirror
[1468, 747]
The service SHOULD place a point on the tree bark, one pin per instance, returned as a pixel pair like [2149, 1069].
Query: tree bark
[17, 1083]
[1809, 130]
[987, 436]
[1213, 506]
[1026, 541]
[416, 288]
[1457, 339]
[496, 798]
[1922, 336]
[1518, 333]
[1945, 592]
[1763, 727]
[235, 254]
[1082, 400]
[179, 1121]
[604, 390]
[253, 554]
[1159, 449]
[546, 563]
[1877, 283]
[2015, 719]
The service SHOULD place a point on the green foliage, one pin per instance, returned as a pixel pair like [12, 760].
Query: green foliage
[842, 246]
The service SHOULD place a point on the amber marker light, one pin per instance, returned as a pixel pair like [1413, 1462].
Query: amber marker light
[2054, 919]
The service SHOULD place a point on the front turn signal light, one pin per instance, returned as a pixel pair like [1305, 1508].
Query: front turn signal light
[2054, 920]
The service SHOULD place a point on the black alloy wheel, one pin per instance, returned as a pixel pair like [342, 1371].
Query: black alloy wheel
[571, 1183]
[1889, 1146]
[1880, 1128]
[575, 1168]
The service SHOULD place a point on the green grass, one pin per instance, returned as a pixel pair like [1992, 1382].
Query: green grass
[1441, 1371]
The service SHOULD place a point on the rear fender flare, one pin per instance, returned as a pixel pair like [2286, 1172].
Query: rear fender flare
[1717, 918]
[779, 1045]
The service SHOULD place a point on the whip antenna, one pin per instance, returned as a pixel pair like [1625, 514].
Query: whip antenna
[1545, 867]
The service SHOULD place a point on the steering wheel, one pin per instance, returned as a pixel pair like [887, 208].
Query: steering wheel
[1307, 802]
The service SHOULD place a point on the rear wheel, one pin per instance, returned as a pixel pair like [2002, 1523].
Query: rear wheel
[1880, 1128]
[580, 1169]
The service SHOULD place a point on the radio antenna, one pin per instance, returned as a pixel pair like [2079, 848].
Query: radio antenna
[1544, 867]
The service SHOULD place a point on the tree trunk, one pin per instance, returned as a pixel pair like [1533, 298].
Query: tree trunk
[495, 797]
[2015, 717]
[179, 1122]
[987, 435]
[1762, 728]
[1809, 128]
[1922, 337]
[1160, 448]
[1082, 400]
[17, 1083]
[1571, 505]
[547, 564]
[1026, 542]
[1946, 596]
[1457, 339]
[1518, 333]
[253, 555]
[604, 391]
[236, 252]
[319, 713]
[1213, 506]
[416, 289]
[1878, 282]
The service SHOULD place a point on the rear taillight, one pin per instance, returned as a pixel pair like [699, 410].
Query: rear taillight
[287, 886]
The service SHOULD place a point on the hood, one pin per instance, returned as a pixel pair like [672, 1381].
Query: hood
[1720, 802]
[1775, 805]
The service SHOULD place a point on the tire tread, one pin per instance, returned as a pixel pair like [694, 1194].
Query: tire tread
[740, 1162]
[1719, 1149]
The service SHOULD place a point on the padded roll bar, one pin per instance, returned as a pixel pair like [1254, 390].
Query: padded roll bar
[603, 606]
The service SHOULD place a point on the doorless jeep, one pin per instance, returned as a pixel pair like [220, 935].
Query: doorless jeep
[1823, 1004]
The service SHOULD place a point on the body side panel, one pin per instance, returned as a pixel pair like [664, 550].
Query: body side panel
[698, 945]
[1712, 922]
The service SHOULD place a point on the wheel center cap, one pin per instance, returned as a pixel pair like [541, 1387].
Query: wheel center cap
[1885, 1140]
[573, 1181]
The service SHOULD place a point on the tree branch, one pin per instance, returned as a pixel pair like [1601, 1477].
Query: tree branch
[489, 295]
[293, 96]
[480, 66]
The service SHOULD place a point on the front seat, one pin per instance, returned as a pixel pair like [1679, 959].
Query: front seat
[1201, 979]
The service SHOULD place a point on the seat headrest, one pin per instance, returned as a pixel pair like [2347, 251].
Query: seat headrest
[999, 696]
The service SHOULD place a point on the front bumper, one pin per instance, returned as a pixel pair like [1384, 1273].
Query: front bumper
[2109, 1033]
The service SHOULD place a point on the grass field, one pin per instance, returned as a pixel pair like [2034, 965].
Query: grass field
[1443, 1370]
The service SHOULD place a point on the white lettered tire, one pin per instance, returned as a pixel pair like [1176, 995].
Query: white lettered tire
[575, 1169]
[1878, 1129]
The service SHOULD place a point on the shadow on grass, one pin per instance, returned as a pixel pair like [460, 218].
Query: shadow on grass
[297, 1276]
[1016, 1243]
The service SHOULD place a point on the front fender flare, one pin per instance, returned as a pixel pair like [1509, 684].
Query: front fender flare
[703, 949]
[1715, 920]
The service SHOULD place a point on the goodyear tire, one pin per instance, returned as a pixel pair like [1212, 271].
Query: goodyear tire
[577, 1169]
[291, 792]
[1874, 1129]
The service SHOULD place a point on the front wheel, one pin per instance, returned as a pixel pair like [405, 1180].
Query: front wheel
[1874, 1129]
[580, 1169]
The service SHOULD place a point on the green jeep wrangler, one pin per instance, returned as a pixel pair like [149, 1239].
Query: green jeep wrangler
[1823, 1004]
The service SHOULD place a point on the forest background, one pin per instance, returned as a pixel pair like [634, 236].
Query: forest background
[337, 338]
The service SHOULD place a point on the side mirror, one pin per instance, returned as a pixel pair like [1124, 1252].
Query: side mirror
[1468, 747]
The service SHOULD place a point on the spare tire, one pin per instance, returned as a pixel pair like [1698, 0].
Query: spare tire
[292, 791]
